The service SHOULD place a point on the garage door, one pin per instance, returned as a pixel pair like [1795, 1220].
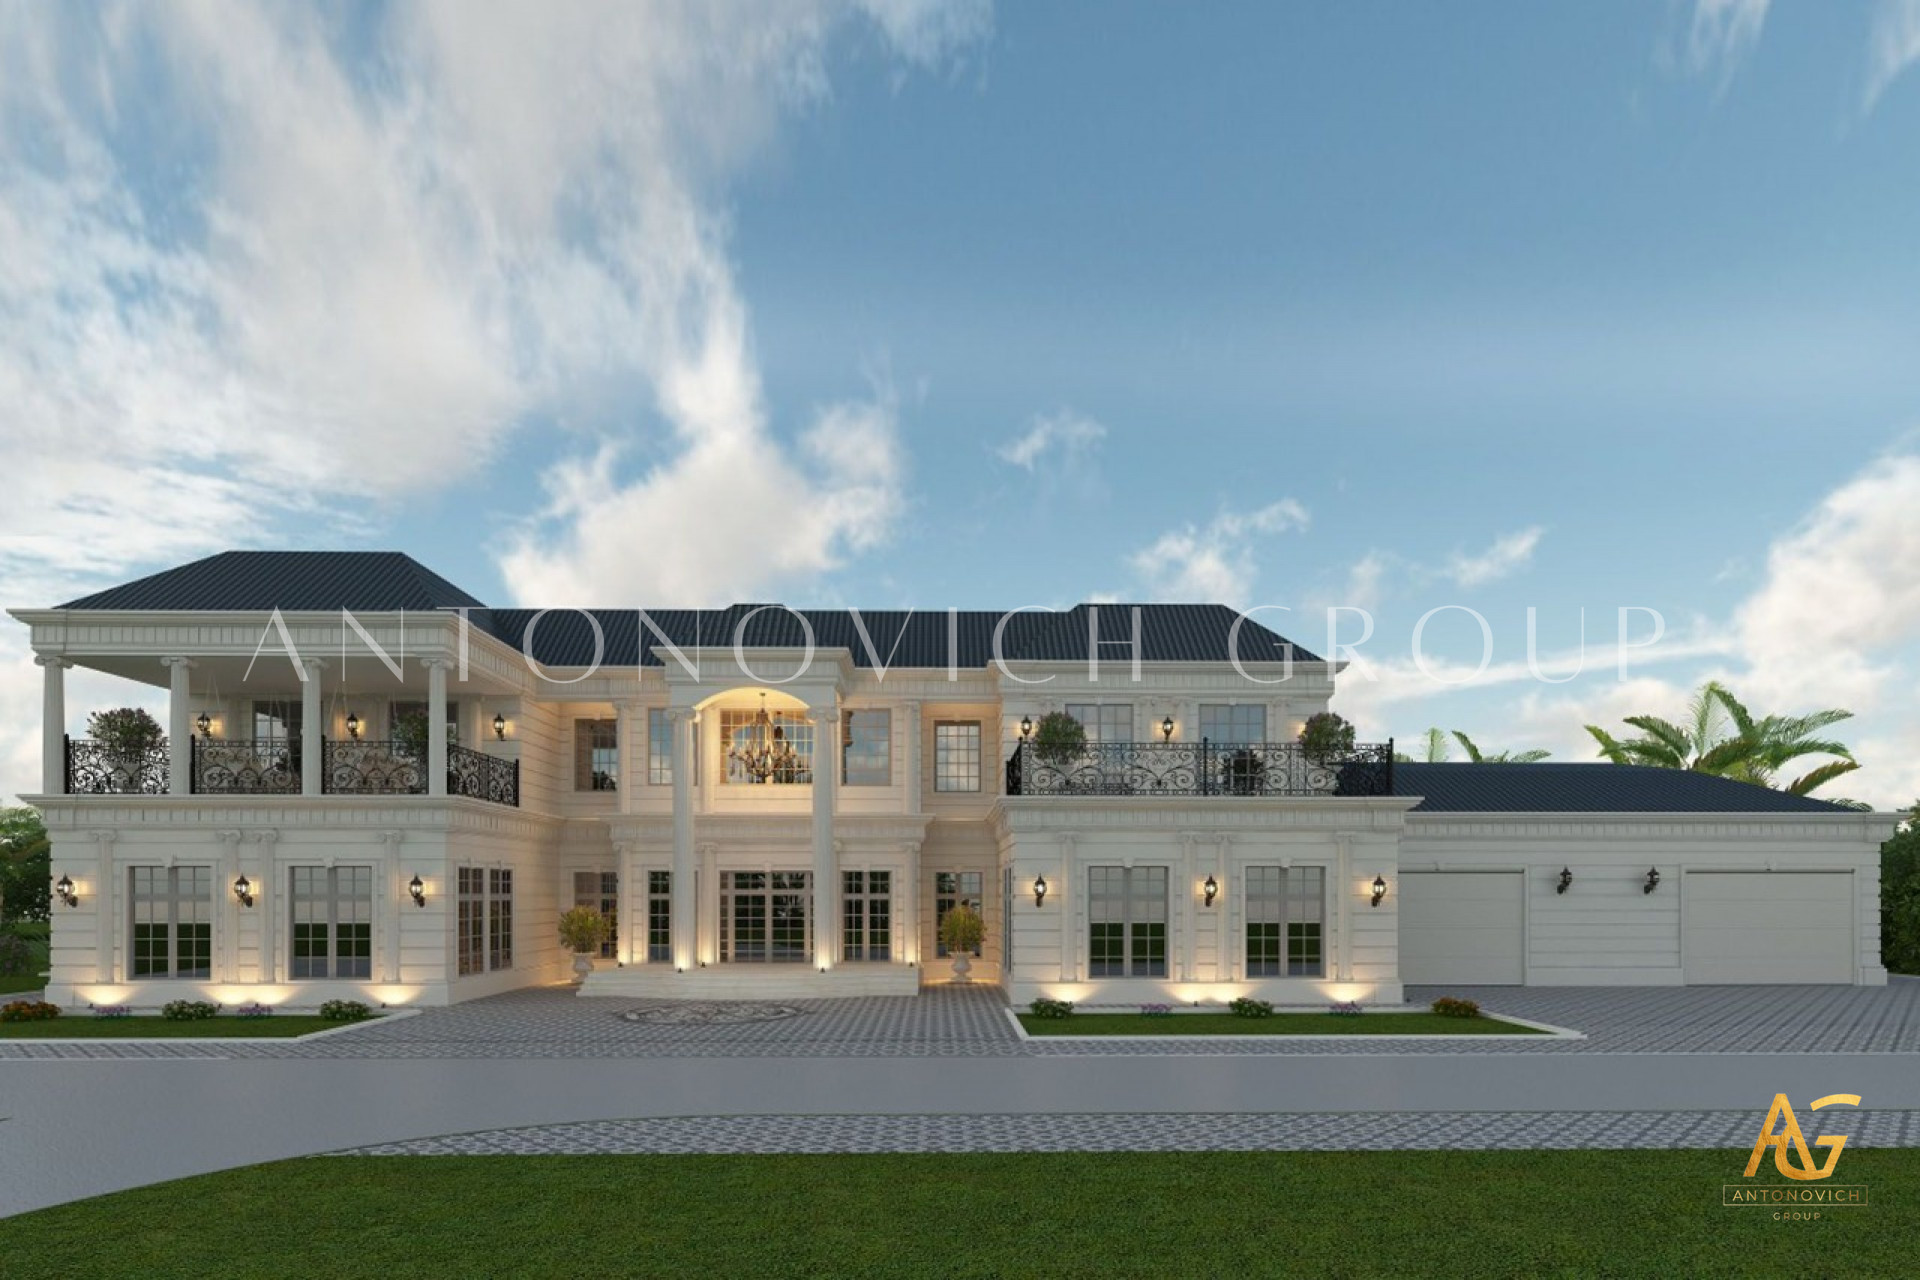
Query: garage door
[1461, 927]
[1761, 926]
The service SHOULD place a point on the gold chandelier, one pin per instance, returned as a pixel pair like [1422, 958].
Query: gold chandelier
[766, 755]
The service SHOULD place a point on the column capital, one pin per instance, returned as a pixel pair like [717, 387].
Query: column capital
[440, 664]
[265, 837]
[227, 837]
[53, 660]
[678, 715]
[314, 666]
[177, 661]
[392, 837]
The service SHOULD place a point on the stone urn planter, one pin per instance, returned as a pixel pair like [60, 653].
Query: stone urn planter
[961, 934]
[582, 931]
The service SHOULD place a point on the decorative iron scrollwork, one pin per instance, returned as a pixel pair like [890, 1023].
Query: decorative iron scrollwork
[1201, 769]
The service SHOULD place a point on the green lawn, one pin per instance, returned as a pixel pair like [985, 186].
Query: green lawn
[1355, 1214]
[1280, 1024]
[85, 1026]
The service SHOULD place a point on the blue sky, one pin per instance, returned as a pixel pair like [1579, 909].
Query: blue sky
[1397, 307]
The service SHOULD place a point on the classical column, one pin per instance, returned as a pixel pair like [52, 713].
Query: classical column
[908, 911]
[1065, 902]
[398, 903]
[103, 911]
[312, 731]
[269, 886]
[1190, 938]
[1343, 867]
[912, 729]
[682, 885]
[1233, 957]
[437, 669]
[629, 771]
[179, 727]
[707, 942]
[826, 871]
[53, 724]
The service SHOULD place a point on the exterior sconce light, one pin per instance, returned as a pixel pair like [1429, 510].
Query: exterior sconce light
[1653, 880]
[1566, 880]
[206, 725]
[500, 728]
[1166, 729]
[64, 888]
[1039, 890]
[353, 726]
[1026, 727]
[1211, 889]
[417, 891]
[1379, 890]
[243, 891]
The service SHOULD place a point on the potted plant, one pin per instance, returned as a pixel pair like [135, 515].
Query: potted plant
[1059, 739]
[1326, 737]
[961, 933]
[582, 931]
[410, 735]
[128, 736]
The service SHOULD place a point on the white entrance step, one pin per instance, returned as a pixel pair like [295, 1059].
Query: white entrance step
[753, 982]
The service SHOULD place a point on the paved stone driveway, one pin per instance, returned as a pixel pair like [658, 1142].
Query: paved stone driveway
[971, 1022]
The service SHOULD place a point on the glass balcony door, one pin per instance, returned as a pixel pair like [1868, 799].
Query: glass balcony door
[765, 917]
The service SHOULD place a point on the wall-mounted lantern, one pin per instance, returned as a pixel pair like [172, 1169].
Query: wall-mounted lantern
[63, 888]
[243, 891]
[1379, 890]
[500, 727]
[206, 725]
[1166, 729]
[417, 891]
[1211, 889]
[1039, 890]
[1566, 880]
[353, 726]
[1653, 880]
[1026, 727]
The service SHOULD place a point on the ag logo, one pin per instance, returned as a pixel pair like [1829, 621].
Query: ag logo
[1790, 1133]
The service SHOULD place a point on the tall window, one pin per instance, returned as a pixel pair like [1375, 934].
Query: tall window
[950, 889]
[276, 721]
[470, 931]
[956, 755]
[1233, 725]
[596, 755]
[172, 922]
[1104, 721]
[787, 737]
[600, 890]
[332, 922]
[1286, 914]
[659, 748]
[868, 748]
[499, 919]
[1127, 922]
[867, 928]
[659, 916]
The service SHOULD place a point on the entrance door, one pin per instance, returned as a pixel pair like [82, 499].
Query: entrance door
[764, 917]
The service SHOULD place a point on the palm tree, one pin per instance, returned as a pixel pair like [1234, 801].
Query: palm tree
[1435, 753]
[1720, 736]
[1508, 756]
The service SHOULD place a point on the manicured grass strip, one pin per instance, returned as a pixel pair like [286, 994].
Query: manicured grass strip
[1280, 1024]
[1357, 1214]
[20, 982]
[87, 1027]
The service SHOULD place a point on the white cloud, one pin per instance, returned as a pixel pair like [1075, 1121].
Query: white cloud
[1217, 563]
[1504, 557]
[1893, 45]
[1721, 34]
[1066, 435]
[352, 252]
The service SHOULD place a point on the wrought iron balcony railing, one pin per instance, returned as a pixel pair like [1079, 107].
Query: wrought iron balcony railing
[482, 777]
[1201, 769]
[265, 766]
[105, 769]
[372, 767]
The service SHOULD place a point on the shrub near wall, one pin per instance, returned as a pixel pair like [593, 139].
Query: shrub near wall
[1900, 898]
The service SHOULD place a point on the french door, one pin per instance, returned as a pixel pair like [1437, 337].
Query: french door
[765, 917]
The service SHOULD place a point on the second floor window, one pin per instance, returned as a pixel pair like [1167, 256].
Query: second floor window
[956, 755]
[1233, 724]
[868, 750]
[766, 746]
[596, 755]
[276, 722]
[1104, 721]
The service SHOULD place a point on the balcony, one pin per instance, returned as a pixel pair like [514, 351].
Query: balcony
[1182, 769]
[273, 766]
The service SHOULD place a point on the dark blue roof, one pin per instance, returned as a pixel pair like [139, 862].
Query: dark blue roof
[390, 582]
[1168, 633]
[250, 581]
[1588, 788]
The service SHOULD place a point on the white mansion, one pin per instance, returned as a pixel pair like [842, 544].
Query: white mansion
[373, 786]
